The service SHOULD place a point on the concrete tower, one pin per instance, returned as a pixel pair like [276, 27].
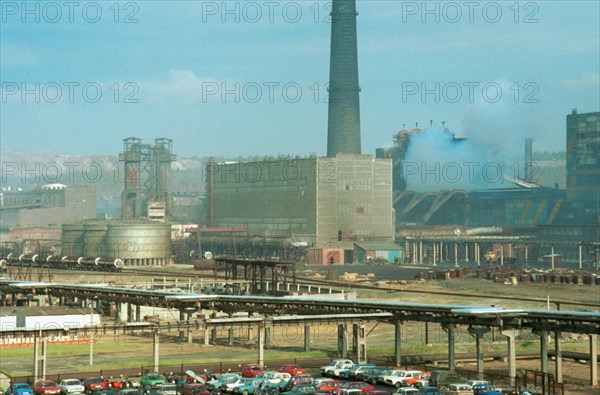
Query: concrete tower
[343, 134]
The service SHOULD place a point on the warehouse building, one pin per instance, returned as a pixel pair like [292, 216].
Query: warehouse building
[324, 203]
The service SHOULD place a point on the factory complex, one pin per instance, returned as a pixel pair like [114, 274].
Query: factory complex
[344, 208]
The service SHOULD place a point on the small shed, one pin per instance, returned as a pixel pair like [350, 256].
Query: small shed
[378, 252]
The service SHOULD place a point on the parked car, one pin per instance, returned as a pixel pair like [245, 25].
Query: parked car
[250, 386]
[94, 384]
[124, 391]
[151, 380]
[300, 379]
[430, 390]
[329, 385]
[408, 391]
[481, 387]
[252, 369]
[339, 364]
[367, 374]
[292, 369]
[46, 387]
[194, 389]
[71, 386]
[353, 385]
[356, 369]
[19, 389]
[405, 378]
[231, 384]
[275, 377]
[304, 390]
[223, 379]
[166, 389]
[443, 378]
[459, 389]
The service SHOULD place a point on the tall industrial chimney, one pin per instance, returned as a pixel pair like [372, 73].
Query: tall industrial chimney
[343, 133]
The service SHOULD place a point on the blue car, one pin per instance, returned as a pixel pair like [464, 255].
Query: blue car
[429, 390]
[19, 389]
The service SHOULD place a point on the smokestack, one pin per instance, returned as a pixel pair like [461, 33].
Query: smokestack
[528, 159]
[343, 132]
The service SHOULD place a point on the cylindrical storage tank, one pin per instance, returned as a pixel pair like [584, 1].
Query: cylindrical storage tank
[72, 240]
[94, 234]
[140, 243]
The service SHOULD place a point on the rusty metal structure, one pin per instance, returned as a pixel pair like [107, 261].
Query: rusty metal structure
[258, 273]
[147, 188]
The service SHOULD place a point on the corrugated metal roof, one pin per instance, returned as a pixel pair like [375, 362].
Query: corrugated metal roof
[379, 246]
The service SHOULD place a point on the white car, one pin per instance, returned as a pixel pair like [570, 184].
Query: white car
[339, 364]
[474, 382]
[274, 377]
[71, 386]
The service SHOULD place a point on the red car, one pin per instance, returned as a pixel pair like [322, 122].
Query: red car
[94, 384]
[252, 370]
[195, 389]
[329, 385]
[46, 387]
[292, 369]
[354, 385]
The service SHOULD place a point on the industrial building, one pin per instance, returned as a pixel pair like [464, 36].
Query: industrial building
[583, 162]
[325, 203]
[44, 210]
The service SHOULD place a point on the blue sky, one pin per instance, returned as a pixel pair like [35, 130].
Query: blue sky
[239, 78]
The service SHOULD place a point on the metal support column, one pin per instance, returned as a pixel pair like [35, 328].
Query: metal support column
[593, 360]
[450, 330]
[342, 341]
[36, 368]
[398, 343]
[511, 334]
[261, 343]
[543, 350]
[156, 349]
[456, 254]
[190, 337]
[478, 332]
[181, 324]
[230, 333]
[138, 313]
[117, 312]
[268, 332]
[306, 337]
[558, 354]
[359, 342]
[213, 332]
[129, 312]
[43, 358]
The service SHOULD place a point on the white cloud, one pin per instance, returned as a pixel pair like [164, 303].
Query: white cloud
[181, 85]
[587, 80]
